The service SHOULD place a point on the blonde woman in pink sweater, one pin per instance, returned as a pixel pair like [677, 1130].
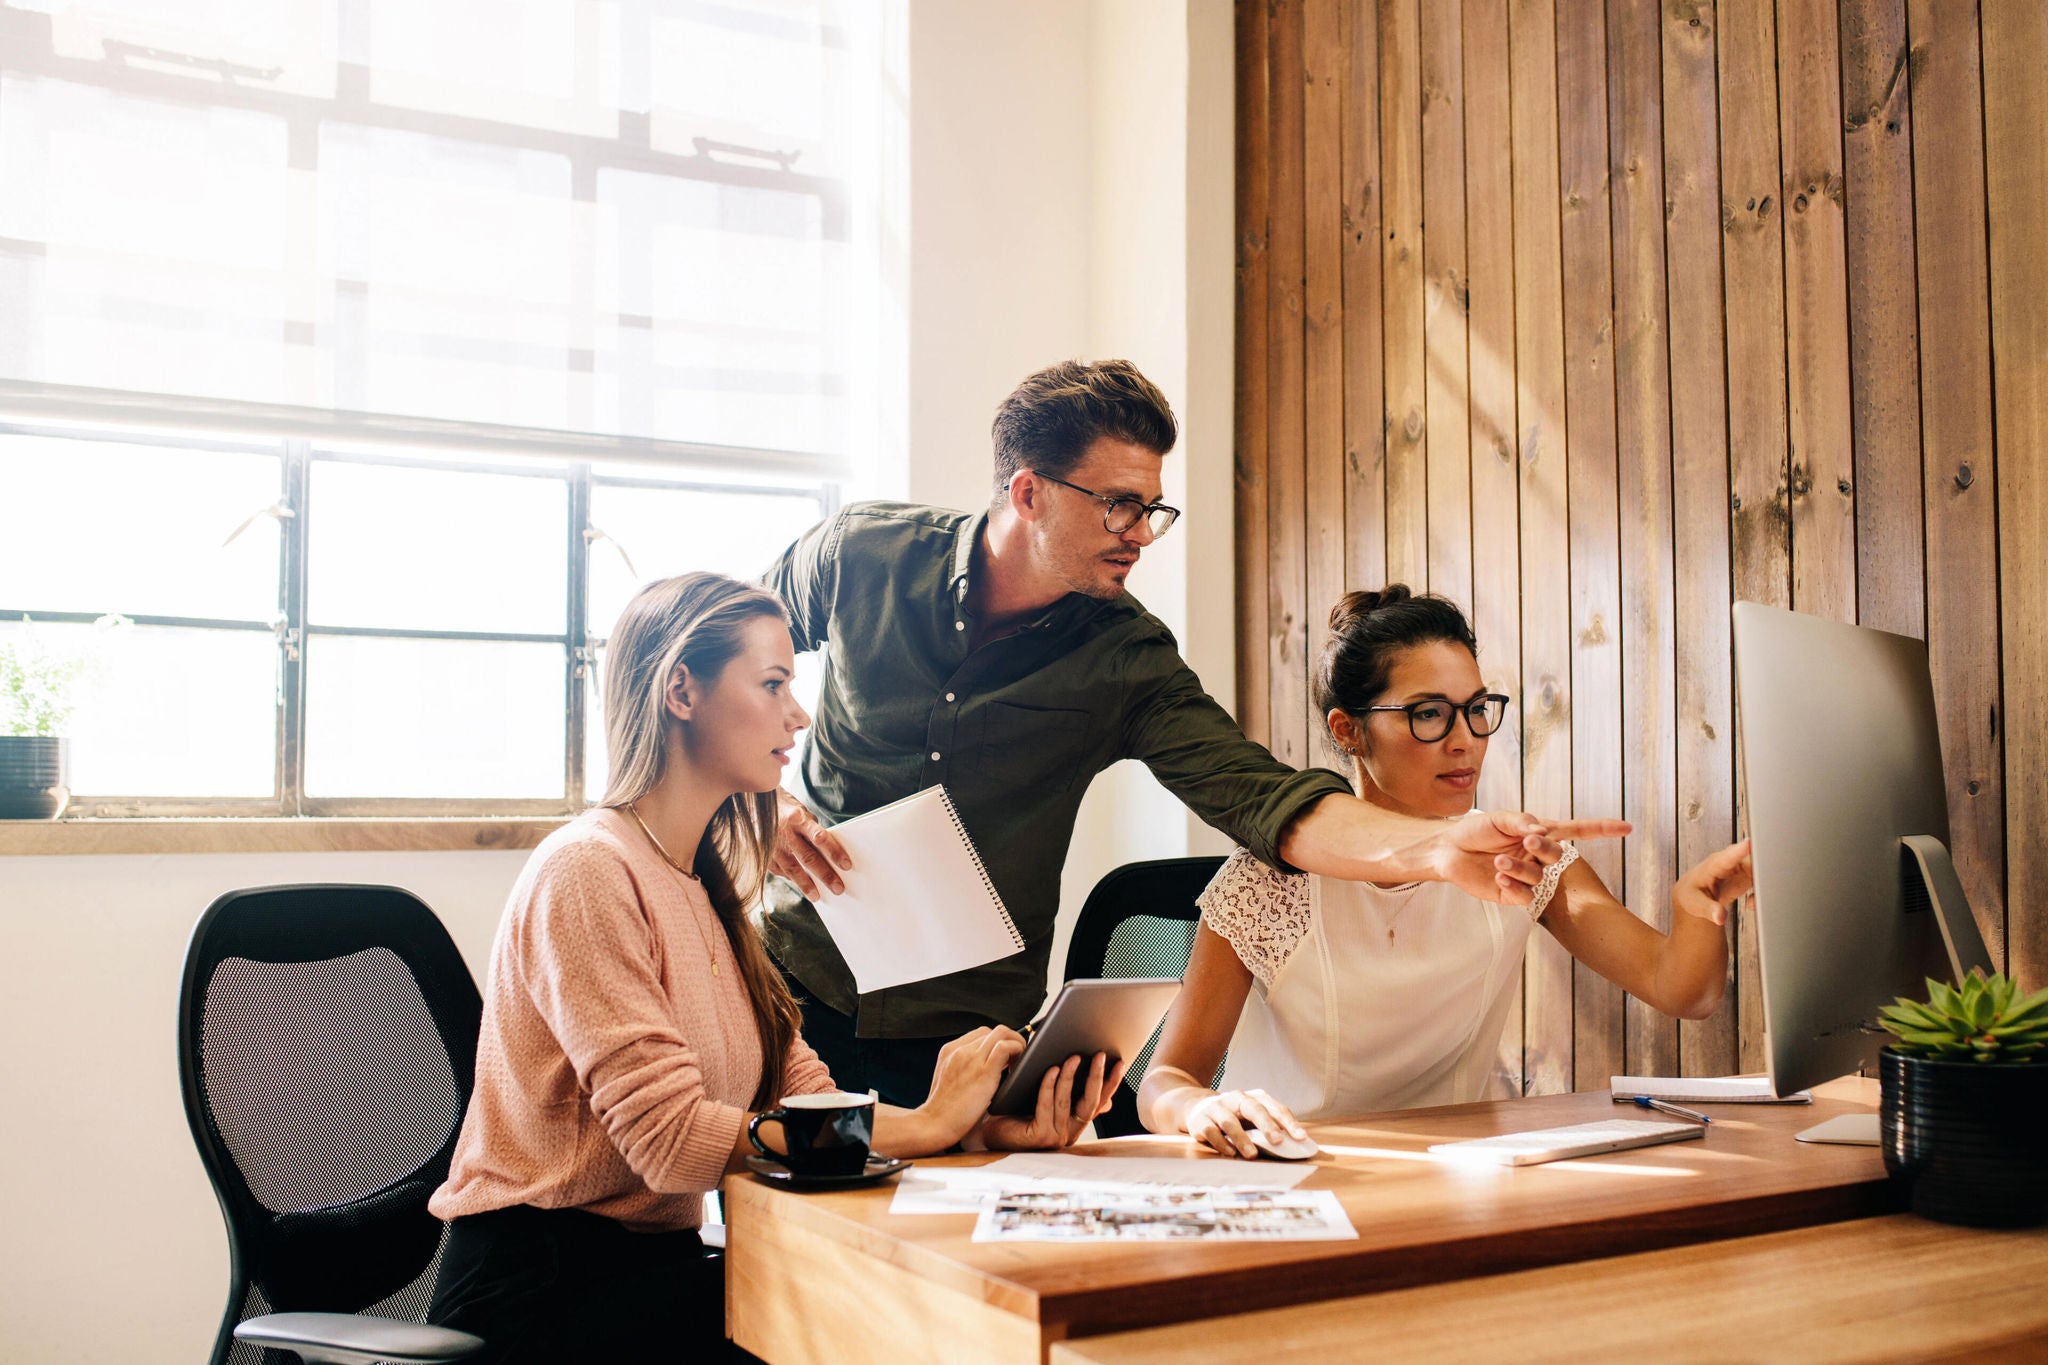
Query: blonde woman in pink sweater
[633, 1023]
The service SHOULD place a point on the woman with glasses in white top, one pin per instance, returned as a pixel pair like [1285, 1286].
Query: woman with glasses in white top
[1334, 997]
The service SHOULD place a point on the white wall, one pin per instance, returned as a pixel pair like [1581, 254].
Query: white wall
[1069, 195]
[111, 1247]
[1163, 297]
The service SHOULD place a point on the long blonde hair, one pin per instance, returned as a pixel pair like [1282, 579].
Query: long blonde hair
[696, 621]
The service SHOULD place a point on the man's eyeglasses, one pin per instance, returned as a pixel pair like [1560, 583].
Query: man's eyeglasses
[1120, 514]
[1430, 720]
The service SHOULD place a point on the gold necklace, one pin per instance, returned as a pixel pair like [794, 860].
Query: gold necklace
[1397, 915]
[710, 950]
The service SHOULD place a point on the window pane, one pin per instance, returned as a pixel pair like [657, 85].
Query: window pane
[721, 313]
[511, 61]
[101, 527]
[665, 532]
[434, 718]
[430, 549]
[455, 267]
[168, 712]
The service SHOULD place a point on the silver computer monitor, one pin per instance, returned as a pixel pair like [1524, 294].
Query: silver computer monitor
[1856, 899]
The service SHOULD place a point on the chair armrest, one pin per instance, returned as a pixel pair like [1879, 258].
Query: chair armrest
[353, 1339]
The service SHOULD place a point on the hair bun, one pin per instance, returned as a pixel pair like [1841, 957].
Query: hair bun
[1354, 606]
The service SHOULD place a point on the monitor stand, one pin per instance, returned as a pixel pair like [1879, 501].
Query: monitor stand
[1931, 885]
[1855, 1130]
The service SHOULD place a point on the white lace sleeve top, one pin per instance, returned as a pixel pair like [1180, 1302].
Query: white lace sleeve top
[1263, 914]
[1365, 997]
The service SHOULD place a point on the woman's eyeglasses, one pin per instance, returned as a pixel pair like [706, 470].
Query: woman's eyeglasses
[1430, 720]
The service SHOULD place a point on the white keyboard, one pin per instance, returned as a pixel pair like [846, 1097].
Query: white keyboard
[1578, 1139]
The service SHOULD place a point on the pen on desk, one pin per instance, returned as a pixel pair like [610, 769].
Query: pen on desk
[1663, 1107]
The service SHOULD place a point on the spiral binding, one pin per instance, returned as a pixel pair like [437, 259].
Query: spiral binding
[995, 896]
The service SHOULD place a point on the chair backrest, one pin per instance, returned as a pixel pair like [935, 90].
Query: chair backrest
[327, 1050]
[1138, 921]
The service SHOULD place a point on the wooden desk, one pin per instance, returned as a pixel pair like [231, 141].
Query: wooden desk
[1876, 1289]
[836, 1278]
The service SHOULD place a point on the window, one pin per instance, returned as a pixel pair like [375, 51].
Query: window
[366, 355]
[639, 220]
[321, 630]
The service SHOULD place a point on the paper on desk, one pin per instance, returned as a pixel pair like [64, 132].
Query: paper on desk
[1706, 1089]
[969, 1189]
[1222, 1173]
[1166, 1213]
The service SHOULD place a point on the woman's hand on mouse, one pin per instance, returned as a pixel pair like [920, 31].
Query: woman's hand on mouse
[1219, 1121]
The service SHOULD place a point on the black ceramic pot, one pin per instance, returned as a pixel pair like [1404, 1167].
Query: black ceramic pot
[1968, 1140]
[34, 777]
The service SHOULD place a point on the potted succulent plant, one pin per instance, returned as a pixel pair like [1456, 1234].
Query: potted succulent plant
[35, 706]
[1963, 1103]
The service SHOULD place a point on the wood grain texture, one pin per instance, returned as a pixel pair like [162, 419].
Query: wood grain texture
[1446, 387]
[1585, 233]
[1642, 380]
[1402, 302]
[1825, 374]
[1959, 455]
[1365, 424]
[1254, 149]
[1759, 454]
[1699, 491]
[1896, 1288]
[1323, 256]
[1490, 346]
[1546, 543]
[1884, 317]
[1419, 1220]
[1816, 311]
[2016, 158]
[797, 1299]
[1286, 428]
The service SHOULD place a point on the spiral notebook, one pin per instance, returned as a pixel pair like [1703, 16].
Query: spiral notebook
[918, 902]
[1706, 1089]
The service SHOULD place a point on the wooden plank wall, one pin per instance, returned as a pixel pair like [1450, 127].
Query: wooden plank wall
[1595, 315]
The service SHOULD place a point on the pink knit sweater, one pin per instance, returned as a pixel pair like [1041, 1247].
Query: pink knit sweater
[614, 1068]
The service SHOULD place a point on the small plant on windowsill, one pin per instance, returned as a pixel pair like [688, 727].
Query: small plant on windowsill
[37, 695]
[1963, 1102]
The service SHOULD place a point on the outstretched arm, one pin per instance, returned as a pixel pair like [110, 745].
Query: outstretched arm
[1487, 854]
[1683, 973]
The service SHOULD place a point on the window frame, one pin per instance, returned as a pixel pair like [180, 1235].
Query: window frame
[291, 629]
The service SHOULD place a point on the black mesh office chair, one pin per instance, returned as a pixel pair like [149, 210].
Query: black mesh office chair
[327, 1048]
[1138, 921]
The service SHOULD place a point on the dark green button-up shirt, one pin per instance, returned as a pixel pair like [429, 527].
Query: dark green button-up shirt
[1015, 730]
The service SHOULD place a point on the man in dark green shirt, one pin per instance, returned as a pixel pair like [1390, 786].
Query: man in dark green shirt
[998, 653]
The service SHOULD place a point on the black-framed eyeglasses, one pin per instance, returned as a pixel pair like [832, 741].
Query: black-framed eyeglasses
[1431, 719]
[1120, 514]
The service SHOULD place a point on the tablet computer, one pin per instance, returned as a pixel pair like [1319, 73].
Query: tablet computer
[1087, 1017]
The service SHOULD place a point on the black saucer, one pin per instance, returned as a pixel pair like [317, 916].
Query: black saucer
[879, 1168]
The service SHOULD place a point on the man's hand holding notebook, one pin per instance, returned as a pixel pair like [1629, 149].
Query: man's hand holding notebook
[918, 902]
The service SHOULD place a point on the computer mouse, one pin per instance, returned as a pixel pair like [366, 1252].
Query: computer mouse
[1280, 1146]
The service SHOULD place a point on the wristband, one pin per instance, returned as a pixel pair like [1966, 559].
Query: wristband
[1547, 888]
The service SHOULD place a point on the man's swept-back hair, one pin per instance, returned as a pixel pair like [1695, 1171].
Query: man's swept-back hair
[1049, 421]
[696, 621]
